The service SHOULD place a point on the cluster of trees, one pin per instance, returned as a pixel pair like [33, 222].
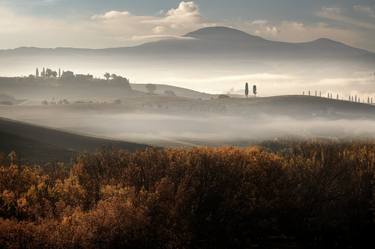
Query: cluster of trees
[56, 102]
[65, 75]
[70, 75]
[310, 195]
[47, 73]
[255, 91]
[115, 77]
[357, 99]
[67, 102]
[316, 94]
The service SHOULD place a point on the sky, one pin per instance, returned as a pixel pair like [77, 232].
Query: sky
[114, 23]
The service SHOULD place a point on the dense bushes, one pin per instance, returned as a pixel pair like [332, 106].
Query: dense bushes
[310, 195]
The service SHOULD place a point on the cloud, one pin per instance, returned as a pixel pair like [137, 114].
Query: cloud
[338, 25]
[110, 29]
[158, 30]
[366, 10]
[295, 31]
[241, 77]
[18, 30]
[337, 14]
[260, 22]
[111, 15]
[175, 22]
[264, 28]
[49, 1]
[186, 11]
[184, 18]
[356, 20]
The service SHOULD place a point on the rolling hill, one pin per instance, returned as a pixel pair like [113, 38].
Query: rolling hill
[227, 41]
[307, 107]
[37, 144]
[162, 89]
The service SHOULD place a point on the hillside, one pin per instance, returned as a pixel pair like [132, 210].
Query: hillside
[291, 106]
[37, 144]
[301, 107]
[162, 89]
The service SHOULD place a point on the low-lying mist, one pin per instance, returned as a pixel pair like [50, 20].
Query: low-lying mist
[196, 129]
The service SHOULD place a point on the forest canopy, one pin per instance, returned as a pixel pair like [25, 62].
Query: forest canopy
[300, 194]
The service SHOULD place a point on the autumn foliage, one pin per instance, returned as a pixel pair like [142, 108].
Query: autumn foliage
[301, 195]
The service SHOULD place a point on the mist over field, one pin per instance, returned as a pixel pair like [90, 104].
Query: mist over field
[213, 130]
[166, 127]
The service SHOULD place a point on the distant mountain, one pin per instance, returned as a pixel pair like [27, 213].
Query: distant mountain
[224, 34]
[208, 51]
[38, 144]
[221, 40]
[227, 41]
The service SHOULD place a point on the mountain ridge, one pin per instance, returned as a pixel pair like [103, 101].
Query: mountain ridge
[226, 48]
[208, 33]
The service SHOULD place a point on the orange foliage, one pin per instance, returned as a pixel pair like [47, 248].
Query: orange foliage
[314, 195]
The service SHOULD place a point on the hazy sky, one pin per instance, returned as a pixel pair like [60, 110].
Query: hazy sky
[109, 23]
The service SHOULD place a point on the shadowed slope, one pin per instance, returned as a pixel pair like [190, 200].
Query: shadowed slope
[39, 144]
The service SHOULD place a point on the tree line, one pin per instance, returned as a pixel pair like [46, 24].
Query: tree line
[351, 98]
[47, 73]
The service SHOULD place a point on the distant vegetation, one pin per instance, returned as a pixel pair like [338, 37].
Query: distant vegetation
[223, 96]
[354, 98]
[69, 75]
[68, 85]
[309, 195]
[8, 100]
[151, 88]
[64, 77]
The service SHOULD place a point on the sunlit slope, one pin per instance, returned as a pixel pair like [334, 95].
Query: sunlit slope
[296, 106]
[292, 106]
[168, 90]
